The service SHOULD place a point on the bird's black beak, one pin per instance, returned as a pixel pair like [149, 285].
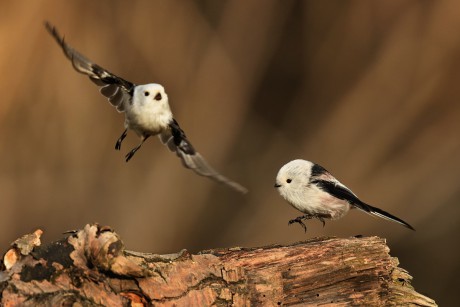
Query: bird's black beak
[277, 185]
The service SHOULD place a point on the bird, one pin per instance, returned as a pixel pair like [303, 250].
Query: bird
[147, 112]
[311, 189]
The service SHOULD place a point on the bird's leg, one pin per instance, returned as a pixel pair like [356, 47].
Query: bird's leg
[299, 220]
[133, 151]
[120, 139]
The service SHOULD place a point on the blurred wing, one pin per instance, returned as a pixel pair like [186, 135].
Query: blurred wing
[177, 142]
[342, 192]
[117, 90]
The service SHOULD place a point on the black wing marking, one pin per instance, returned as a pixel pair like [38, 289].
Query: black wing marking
[116, 89]
[177, 142]
[180, 139]
[344, 193]
[318, 170]
[336, 190]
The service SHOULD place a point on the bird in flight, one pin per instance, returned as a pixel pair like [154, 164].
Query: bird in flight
[146, 110]
[311, 189]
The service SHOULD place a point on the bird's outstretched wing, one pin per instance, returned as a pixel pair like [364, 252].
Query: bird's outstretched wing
[342, 192]
[177, 142]
[116, 89]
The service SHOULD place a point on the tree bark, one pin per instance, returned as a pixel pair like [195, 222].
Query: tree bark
[91, 267]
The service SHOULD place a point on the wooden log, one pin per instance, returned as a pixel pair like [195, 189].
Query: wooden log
[91, 267]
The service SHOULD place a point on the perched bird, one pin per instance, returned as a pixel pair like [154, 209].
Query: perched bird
[147, 112]
[311, 189]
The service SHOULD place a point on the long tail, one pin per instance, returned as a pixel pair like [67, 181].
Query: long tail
[380, 213]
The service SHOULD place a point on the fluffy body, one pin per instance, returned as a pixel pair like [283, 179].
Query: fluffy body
[312, 190]
[147, 112]
[146, 115]
[305, 196]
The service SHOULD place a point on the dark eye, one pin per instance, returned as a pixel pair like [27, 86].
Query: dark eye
[158, 97]
[146, 93]
[288, 180]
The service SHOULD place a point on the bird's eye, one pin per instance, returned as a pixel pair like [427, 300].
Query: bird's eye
[158, 97]
[146, 93]
[288, 180]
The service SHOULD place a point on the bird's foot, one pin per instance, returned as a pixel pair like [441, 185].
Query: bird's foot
[118, 144]
[299, 220]
[322, 220]
[130, 154]
[133, 151]
[120, 139]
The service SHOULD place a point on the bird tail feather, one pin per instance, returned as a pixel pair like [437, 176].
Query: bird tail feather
[383, 214]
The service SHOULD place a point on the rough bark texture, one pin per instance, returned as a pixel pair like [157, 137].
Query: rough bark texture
[90, 267]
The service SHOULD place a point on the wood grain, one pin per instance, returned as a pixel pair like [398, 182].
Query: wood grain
[91, 267]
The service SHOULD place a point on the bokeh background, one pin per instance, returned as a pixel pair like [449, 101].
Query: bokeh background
[368, 89]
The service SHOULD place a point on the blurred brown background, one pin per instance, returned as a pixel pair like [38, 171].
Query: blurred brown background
[370, 90]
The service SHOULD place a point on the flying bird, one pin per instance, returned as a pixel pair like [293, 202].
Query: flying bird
[146, 110]
[311, 189]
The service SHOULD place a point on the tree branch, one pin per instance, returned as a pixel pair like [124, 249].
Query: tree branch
[91, 267]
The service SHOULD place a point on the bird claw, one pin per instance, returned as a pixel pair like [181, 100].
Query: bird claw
[306, 217]
[118, 145]
[129, 155]
[299, 220]
[322, 220]
[120, 139]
